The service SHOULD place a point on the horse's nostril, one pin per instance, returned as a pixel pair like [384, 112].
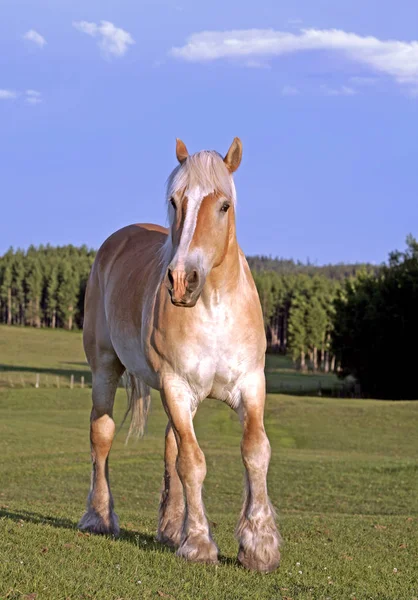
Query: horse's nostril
[170, 278]
[193, 279]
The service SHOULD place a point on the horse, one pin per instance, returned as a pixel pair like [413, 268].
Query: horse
[176, 309]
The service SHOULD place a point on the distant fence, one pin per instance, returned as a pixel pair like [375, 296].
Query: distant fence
[43, 380]
[46, 380]
[76, 381]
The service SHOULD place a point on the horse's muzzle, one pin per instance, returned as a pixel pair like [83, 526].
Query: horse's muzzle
[184, 287]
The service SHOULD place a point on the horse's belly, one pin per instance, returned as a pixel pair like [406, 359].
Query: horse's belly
[133, 358]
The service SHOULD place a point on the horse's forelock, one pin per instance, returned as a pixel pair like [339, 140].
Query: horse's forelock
[205, 170]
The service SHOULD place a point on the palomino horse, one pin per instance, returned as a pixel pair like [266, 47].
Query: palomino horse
[178, 311]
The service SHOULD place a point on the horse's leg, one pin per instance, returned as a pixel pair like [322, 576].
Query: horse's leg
[257, 534]
[172, 500]
[99, 516]
[196, 543]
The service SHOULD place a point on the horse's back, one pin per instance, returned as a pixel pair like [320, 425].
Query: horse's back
[132, 242]
[127, 251]
[125, 267]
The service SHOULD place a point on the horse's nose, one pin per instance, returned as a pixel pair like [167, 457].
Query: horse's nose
[176, 282]
[182, 285]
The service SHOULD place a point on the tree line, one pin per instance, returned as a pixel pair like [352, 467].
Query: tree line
[298, 314]
[44, 286]
[299, 308]
[375, 326]
[356, 319]
[283, 266]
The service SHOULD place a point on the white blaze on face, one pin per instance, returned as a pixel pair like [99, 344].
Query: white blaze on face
[194, 201]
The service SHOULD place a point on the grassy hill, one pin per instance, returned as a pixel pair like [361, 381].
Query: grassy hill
[343, 477]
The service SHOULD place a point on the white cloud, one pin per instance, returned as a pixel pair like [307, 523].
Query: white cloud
[111, 40]
[33, 97]
[343, 90]
[289, 90]
[8, 95]
[29, 96]
[35, 37]
[398, 59]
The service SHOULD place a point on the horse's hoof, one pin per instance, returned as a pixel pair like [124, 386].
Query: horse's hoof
[199, 549]
[263, 562]
[259, 543]
[92, 522]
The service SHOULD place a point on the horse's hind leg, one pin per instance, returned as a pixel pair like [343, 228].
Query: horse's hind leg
[257, 534]
[172, 506]
[99, 516]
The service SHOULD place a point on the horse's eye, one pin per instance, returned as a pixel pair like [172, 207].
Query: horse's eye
[173, 204]
[225, 206]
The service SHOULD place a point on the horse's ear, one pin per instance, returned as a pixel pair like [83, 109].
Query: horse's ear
[234, 155]
[181, 151]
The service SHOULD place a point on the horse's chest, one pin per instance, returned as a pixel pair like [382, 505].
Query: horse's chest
[210, 352]
[214, 368]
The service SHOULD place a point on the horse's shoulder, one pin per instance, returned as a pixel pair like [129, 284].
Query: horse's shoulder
[151, 227]
[135, 235]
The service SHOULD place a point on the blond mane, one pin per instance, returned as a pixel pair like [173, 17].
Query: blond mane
[206, 170]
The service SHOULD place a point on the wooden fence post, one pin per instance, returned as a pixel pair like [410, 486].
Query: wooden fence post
[82, 381]
[72, 382]
[37, 380]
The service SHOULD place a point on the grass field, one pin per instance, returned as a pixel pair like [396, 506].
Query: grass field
[343, 476]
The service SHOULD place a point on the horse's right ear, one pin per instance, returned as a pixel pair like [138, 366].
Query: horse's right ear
[181, 151]
[234, 155]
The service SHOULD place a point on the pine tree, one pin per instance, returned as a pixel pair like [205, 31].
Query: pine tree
[6, 289]
[34, 281]
[68, 282]
[19, 287]
[51, 297]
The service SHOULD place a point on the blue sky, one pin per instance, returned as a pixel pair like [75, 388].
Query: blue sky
[324, 96]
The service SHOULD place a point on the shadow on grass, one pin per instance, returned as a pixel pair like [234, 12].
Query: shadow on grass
[82, 363]
[136, 538]
[142, 540]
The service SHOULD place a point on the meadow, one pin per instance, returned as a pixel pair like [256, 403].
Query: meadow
[343, 477]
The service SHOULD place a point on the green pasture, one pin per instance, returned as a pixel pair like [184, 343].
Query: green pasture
[343, 477]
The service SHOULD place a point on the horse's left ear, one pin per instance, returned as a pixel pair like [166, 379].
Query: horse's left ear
[234, 155]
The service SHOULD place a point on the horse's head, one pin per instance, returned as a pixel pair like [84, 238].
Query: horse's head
[201, 203]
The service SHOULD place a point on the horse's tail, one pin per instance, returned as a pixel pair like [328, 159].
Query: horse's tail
[139, 402]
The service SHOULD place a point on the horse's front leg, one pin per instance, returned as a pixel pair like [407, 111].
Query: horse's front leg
[196, 543]
[257, 534]
[172, 507]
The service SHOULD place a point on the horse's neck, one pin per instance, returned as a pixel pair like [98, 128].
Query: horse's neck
[225, 279]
